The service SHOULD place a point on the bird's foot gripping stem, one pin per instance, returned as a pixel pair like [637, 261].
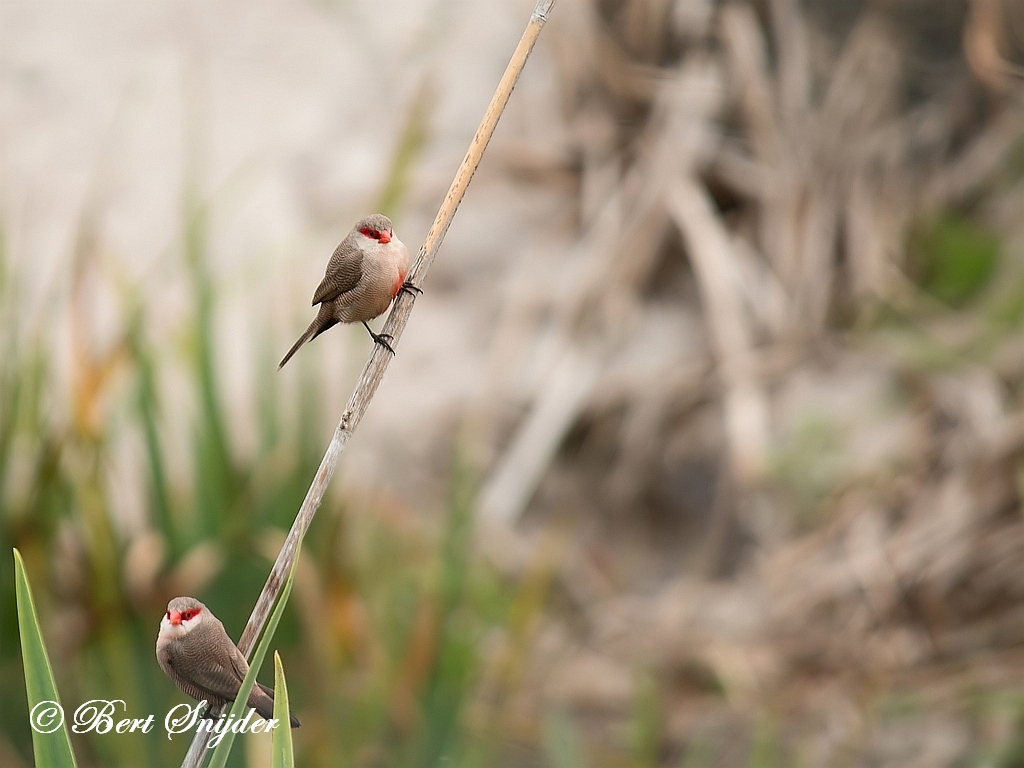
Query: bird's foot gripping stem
[411, 289]
[380, 338]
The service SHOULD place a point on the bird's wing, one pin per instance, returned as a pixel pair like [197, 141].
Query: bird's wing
[238, 663]
[197, 693]
[208, 662]
[344, 271]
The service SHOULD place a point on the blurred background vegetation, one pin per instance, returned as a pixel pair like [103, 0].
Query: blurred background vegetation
[704, 446]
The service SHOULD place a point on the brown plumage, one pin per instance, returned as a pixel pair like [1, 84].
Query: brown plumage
[365, 273]
[194, 650]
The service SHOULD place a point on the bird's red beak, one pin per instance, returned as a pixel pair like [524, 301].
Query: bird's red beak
[175, 618]
[385, 237]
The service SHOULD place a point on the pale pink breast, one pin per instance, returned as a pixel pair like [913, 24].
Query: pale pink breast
[384, 271]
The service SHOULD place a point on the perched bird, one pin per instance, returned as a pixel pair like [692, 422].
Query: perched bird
[363, 276]
[197, 654]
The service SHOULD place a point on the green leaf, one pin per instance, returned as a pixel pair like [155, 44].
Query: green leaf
[282, 755]
[223, 749]
[562, 741]
[954, 257]
[53, 749]
[646, 736]
[408, 151]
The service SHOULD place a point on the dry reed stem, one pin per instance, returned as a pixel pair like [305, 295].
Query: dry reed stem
[715, 265]
[982, 37]
[794, 76]
[619, 249]
[380, 359]
[564, 393]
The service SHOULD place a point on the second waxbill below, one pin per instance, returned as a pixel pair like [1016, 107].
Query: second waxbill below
[364, 275]
[196, 653]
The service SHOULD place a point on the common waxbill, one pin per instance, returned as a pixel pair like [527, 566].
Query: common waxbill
[197, 654]
[364, 275]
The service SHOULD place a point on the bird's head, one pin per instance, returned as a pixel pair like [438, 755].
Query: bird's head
[183, 615]
[376, 228]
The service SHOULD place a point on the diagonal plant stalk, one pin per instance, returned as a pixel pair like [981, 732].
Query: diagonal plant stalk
[377, 365]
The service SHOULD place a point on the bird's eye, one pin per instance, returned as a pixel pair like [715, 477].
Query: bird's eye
[168, 614]
[371, 233]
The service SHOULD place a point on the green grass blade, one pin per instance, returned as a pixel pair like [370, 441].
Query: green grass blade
[282, 755]
[646, 736]
[700, 753]
[408, 151]
[148, 411]
[223, 749]
[51, 750]
[562, 742]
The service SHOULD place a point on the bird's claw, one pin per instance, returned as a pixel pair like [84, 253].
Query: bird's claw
[380, 338]
[383, 339]
[411, 289]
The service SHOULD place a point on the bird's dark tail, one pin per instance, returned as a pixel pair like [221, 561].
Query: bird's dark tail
[262, 700]
[302, 340]
[318, 326]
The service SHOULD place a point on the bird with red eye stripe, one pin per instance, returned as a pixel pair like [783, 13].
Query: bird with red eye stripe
[365, 274]
[194, 650]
